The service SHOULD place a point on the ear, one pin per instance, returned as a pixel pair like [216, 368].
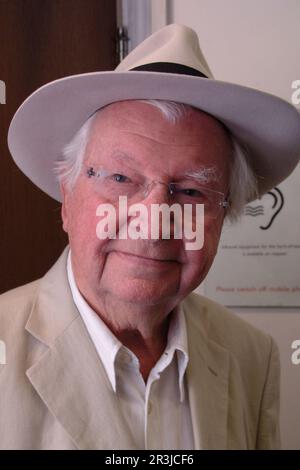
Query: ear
[64, 206]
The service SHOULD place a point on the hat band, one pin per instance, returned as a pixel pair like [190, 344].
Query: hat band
[169, 67]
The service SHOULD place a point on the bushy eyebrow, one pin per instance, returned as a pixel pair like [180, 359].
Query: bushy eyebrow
[204, 174]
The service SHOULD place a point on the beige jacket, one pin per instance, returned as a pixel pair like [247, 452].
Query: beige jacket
[54, 392]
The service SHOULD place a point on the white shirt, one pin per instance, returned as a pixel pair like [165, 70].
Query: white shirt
[157, 413]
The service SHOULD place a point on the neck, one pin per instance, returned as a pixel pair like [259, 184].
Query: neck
[143, 329]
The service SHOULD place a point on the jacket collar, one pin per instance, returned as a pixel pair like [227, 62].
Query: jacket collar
[71, 380]
[207, 377]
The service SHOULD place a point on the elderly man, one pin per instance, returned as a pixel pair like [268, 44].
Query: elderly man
[111, 349]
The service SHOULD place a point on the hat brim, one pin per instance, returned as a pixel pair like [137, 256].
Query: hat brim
[49, 118]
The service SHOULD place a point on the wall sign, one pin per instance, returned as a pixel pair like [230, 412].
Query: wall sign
[258, 261]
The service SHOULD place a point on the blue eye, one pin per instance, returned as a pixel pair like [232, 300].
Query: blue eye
[192, 192]
[120, 178]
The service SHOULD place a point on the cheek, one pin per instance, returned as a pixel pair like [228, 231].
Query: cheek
[211, 241]
[83, 239]
[81, 212]
[199, 261]
[82, 229]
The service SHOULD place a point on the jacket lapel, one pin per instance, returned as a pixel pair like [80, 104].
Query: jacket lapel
[207, 378]
[69, 376]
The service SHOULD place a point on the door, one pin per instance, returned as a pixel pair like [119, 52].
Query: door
[40, 41]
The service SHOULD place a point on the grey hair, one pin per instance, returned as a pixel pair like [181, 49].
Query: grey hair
[242, 183]
[68, 166]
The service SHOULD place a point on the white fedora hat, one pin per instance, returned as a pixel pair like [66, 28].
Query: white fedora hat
[168, 65]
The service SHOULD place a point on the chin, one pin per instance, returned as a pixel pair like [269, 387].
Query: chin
[143, 295]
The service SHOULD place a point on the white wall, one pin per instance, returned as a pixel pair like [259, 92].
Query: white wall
[253, 43]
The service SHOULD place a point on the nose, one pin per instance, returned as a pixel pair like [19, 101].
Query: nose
[160, 219]
[157, 191]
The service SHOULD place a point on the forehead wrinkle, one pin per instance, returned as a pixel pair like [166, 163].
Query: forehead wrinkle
[122, 156]
[144, 136]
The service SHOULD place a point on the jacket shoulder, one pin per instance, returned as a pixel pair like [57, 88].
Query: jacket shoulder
[16, 304]
[223, 326]
[248, 359]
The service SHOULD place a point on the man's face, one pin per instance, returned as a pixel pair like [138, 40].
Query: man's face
[144, 271]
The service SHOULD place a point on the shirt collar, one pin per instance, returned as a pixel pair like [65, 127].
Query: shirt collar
[108, 346]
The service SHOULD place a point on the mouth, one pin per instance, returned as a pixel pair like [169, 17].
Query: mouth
[145, 260]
